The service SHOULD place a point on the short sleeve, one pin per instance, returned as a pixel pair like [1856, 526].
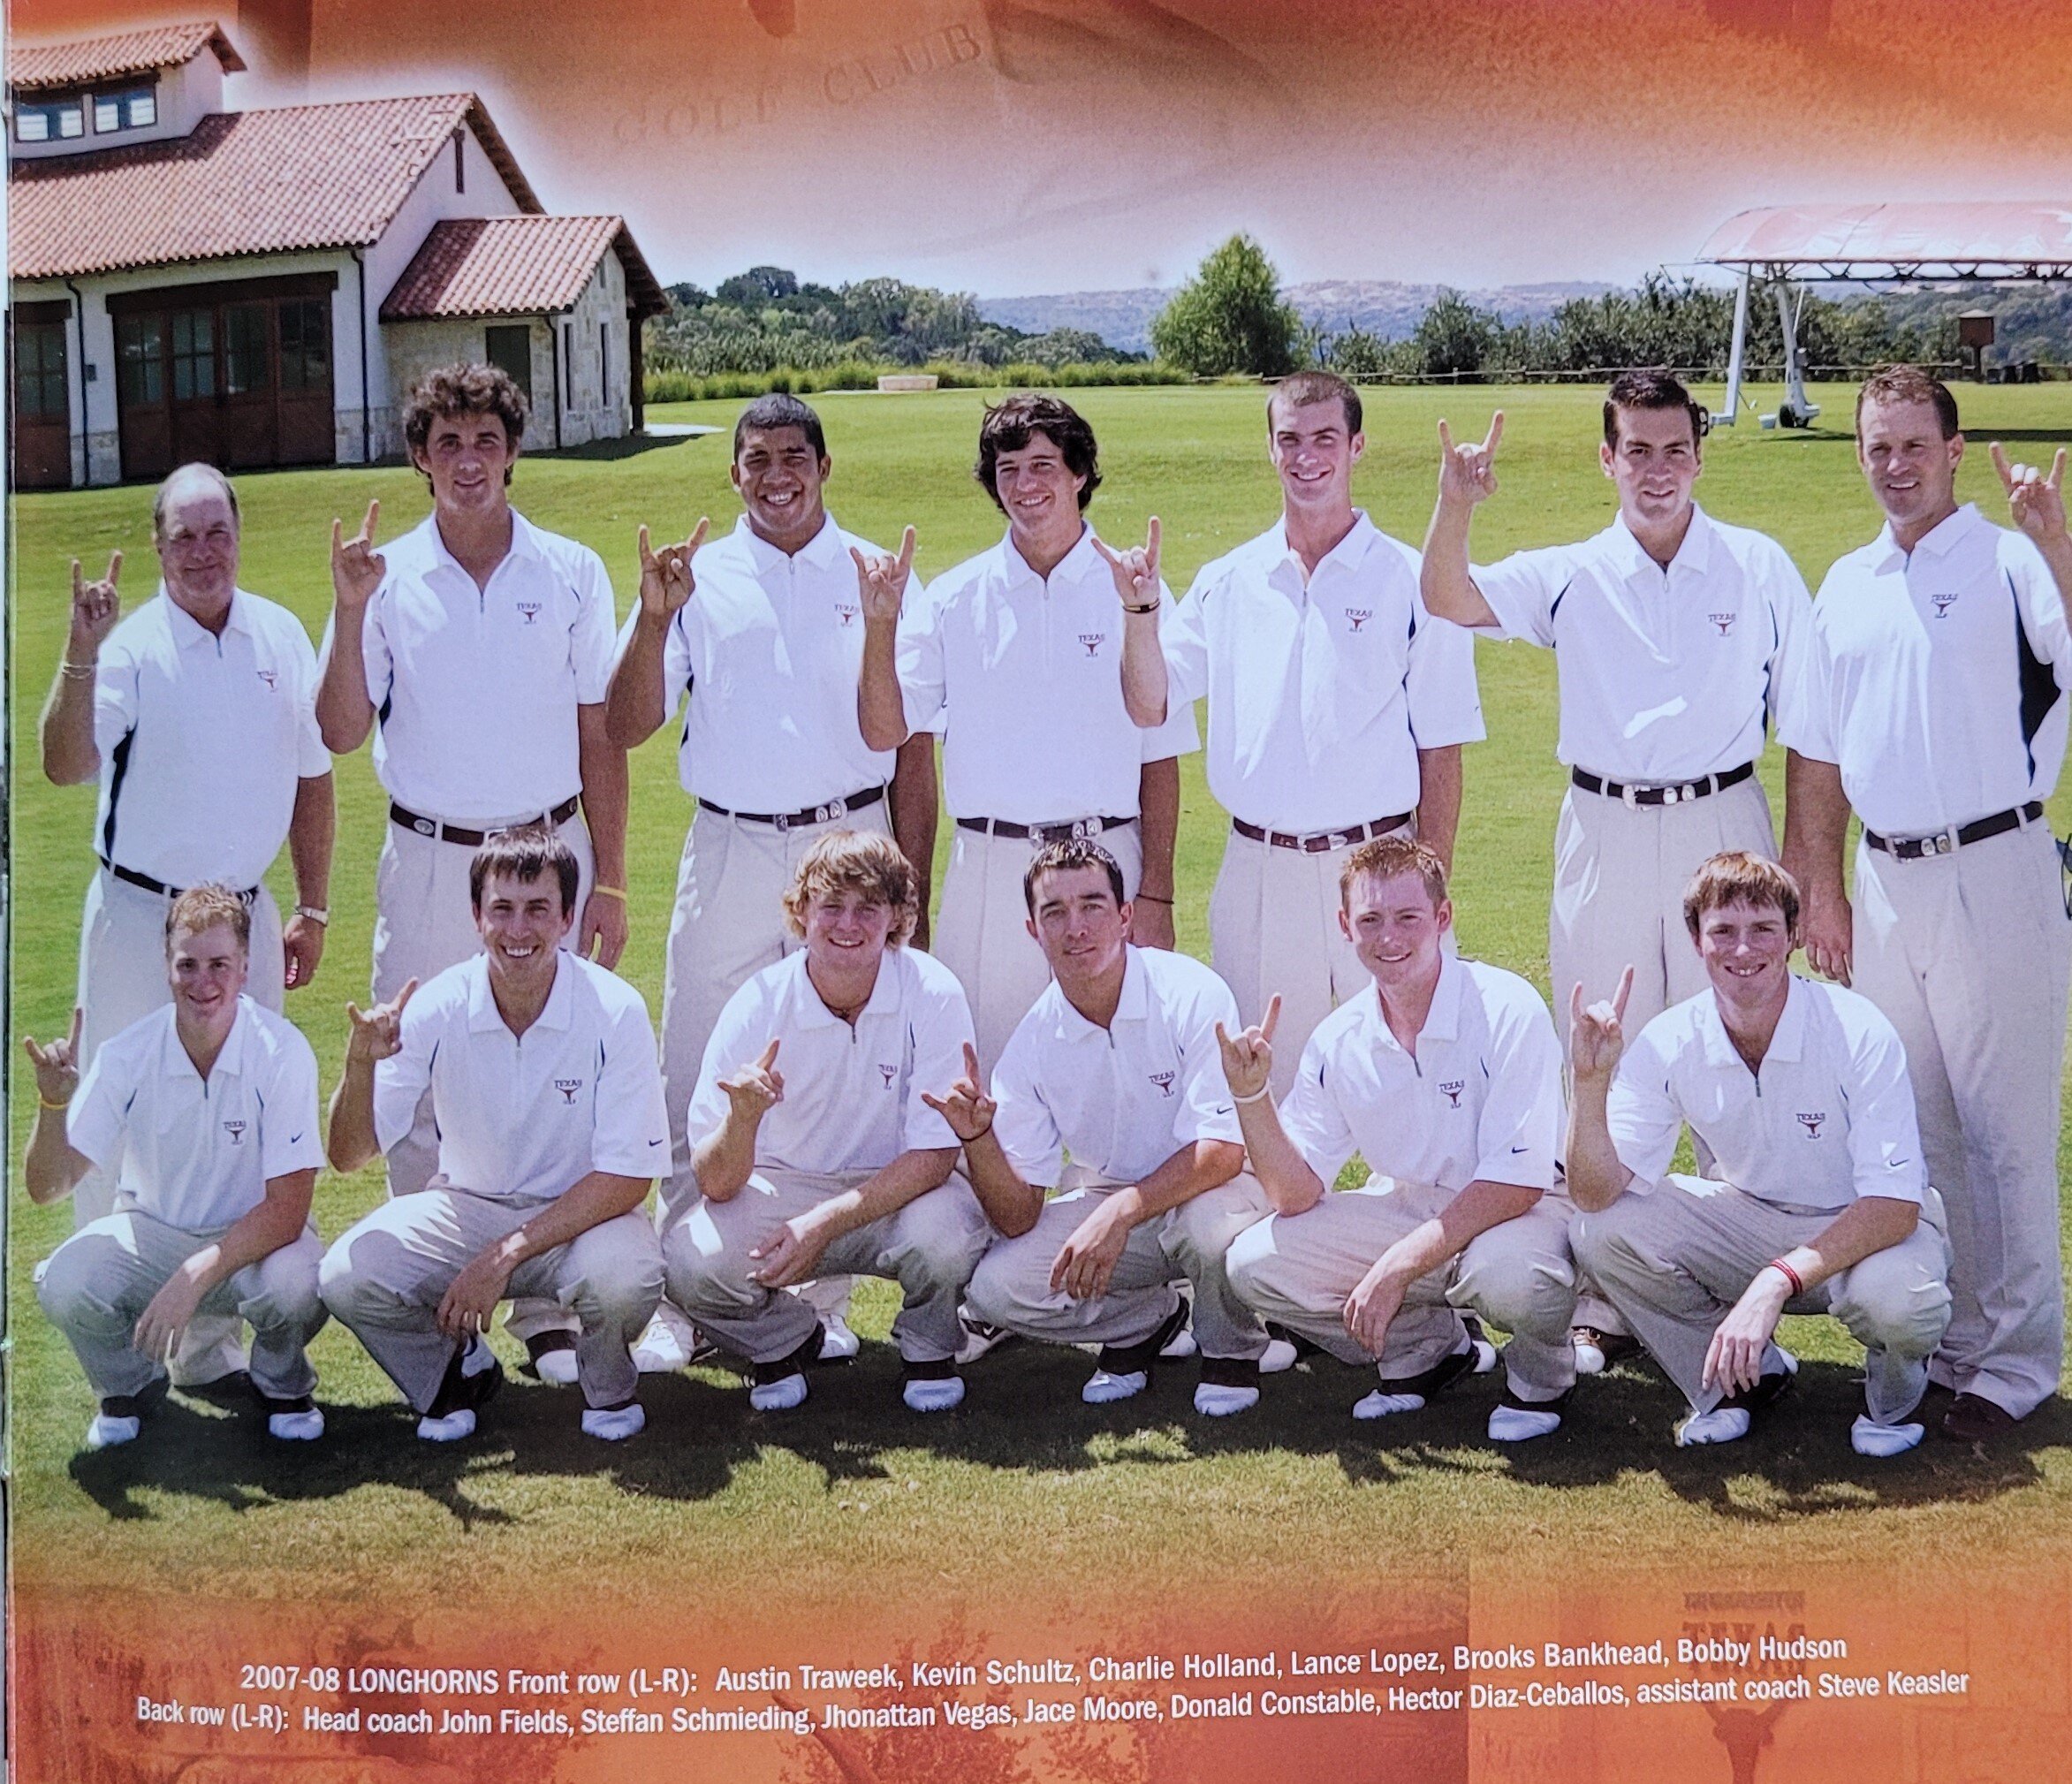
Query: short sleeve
[1521, 590]
[738, 1036]
[1885, 1136]
[290, 1131]
[1183, 636]
[377, 659]
[630, 1136]
[919, 653]
[1641, 1111]
[1520, 1127]
[941, 1029]
[1206, 1111]
[1313, 1121]
[1805, 715]
[312, 759]
[1178, 735]
[1023, 1123]
[115, 700]
[2043, 608]
[401, 1080]
[1791, 610]
[1445, 704]
[593, 640]
[99, 1112]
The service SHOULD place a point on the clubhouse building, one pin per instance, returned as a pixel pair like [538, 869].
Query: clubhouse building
[257, 288]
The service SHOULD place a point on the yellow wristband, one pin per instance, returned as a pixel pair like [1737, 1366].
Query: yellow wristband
[611, 892]
[47, 1103]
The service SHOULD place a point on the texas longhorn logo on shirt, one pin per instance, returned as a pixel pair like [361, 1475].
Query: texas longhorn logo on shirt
[1724, 621]
[568, 1087]
[888, 1072]
[1359, 616]
[531, 610]
[1163, 1081]
[848, 610]
[1943, 603]
[1452, 1090]
[236, 1130]
[269, 676]
[1813, 1124]
[1093, 640]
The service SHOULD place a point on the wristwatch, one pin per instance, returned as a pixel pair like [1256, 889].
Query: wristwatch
[315, 914]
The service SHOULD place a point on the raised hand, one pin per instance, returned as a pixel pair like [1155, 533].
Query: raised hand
[377, 1033]
[666, 582]
[1247, 1058]
[96, 607]
[1596, 1035]
[357, 569]
[882, 582]
[1136, 570]
[2036, 501]
[56, 1064]
[966, 1108]
[1468, 473]
[757, 1088]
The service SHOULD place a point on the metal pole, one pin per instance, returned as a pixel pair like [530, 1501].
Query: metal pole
[1734, 357]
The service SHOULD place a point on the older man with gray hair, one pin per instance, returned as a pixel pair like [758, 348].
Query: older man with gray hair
[197, 714]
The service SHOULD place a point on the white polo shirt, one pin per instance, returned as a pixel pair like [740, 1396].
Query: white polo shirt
[1665, 675]
[203, 738]
[1024, 674]
[769, 647]
[1320, 695]
[1481, 1099]
[1936, 678]
[1829, 1117]
[1122, 1099]
[199, 1154]
[476, 688]
[852, 1099]
[527, 1117]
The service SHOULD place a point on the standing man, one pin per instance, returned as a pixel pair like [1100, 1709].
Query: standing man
[1932, 703]
[1671, 634]
[1445, 1077]
[1017, 654]
[483, 645]
[1337, 709]
[814, 1144]
[216, 1097]
[1798, 1091]
[1116, 1065]
[540, 1066]
[197, 714]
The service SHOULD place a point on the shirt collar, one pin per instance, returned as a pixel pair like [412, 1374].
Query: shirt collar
[525, 542]
[813, 1012]
[1131, 1006]
[819, 552]
[1694, 555]
[1068, 568]
[1442, 1021]
[1788, 1045]
[1938, 542]
[231, 1060]
[188, 631]
[1349, 552]
[482, 1014]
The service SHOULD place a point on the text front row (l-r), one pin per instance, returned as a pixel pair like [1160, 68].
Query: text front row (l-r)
[1049, 1126]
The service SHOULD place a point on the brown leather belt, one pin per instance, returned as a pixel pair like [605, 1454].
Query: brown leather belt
[1044, 833]
[1324, 840]
[812, 814]
[1679, 793]
[475, 839]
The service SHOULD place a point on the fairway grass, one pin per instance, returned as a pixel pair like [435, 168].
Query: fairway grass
[715, 1499]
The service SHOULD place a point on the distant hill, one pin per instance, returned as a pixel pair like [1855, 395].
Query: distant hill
[1381, 306]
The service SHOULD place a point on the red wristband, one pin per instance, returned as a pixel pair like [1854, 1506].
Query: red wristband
[1798, 1285]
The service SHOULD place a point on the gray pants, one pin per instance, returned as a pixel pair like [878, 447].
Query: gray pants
[98, 1284]
[385, 1278]
[930, 1248]
[1299, 1271]
[1011, 1285]
[1676, 1256]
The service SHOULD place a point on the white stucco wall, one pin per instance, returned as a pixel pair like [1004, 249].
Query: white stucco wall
[186, 95]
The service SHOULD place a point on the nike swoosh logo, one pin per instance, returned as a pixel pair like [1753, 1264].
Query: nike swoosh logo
[656, 1142]
[293, 1139]
[1224, 1108]
[1515, 1151]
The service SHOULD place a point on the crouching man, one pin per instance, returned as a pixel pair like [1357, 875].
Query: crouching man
[1446, 1078]
[547, 1093]
[210, 1104]
[1117, 1066]
[812, 1148]
[1820, 1203]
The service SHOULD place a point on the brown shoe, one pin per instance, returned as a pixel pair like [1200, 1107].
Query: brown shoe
[1597, 1351]
[1972, 1418]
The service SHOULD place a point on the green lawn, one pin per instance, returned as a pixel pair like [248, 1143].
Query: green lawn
[713, 1495]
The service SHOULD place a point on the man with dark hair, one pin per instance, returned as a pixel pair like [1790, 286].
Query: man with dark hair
[207, 1108]
[1016, 655]
[197, 715]
[483, 646]
[1116, 1066]
[1932, 704]
[540, 1068]
[1815, 1200]
[1672, 634]
[1337, 709]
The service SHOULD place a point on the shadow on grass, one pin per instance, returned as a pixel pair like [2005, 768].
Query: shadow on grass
[1022, 1414]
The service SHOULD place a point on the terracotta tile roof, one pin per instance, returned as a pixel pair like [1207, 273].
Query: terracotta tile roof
[491, 266]
[243, 182]
[38, 67]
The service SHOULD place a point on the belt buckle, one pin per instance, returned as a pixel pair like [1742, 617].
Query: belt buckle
[1084, 829]
[1629, 797]
[1693, 791]
[1945, 842]
[781, 822]
[424, 826]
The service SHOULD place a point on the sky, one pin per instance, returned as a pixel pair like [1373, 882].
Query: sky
[1011, 146]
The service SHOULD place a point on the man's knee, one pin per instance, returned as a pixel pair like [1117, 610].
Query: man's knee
[1253, 1267]
[618, 1271]
[993, 1292]
[285, 1289]
[1899, 1307]
[701, 1269]
[72, 1285]
[1612, 1245]
[1521, 1282]
[1200, 1235]
[942, 1237]
[367, 1271]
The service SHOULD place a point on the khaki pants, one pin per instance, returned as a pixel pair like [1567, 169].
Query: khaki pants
[1676, 1256]
[1970, 956]
[982, 934]
[1011, 1285]
[930, 1248]
[728, 924]
[97, 1286]
[384, 1278]
[122, 980]
[1273, 928]
[1299, 1271]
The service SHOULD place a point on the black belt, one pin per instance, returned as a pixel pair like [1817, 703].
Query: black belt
[1949, 841]
[1044, 833]
[131, 876]
[812, 814]
[475, 839]
[1322, 841]
[1681, 793]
